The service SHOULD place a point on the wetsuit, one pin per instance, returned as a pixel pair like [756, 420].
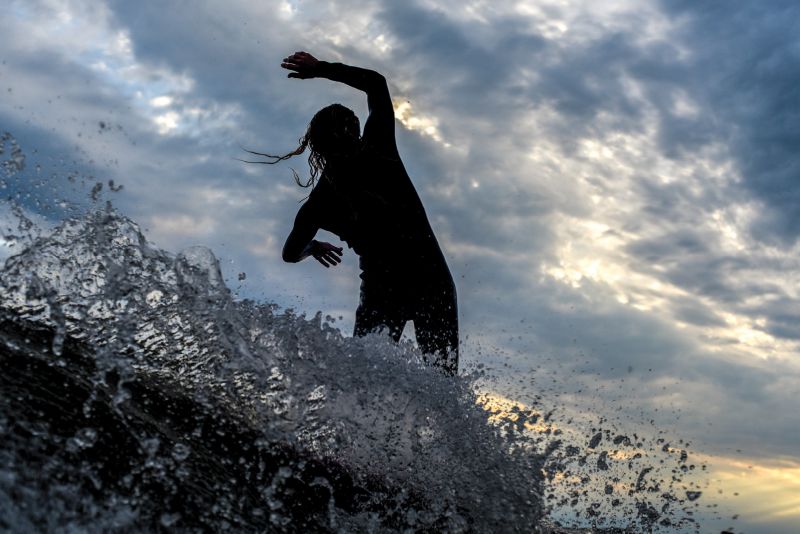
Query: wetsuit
[368, 200]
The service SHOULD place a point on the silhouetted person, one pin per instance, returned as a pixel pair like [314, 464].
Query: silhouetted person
[362, 193]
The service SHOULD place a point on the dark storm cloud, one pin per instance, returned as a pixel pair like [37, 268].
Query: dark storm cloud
[716, 277]
[745, 62]
[680, 243]
[689, 310]
[480, 77]
[681, 198]
[784, 317]
[583, 80]
[210, 44]
[691, 260]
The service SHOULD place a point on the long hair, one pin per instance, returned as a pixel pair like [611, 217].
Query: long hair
[332, 133]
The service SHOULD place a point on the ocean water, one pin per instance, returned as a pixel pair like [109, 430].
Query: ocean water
[139, 395]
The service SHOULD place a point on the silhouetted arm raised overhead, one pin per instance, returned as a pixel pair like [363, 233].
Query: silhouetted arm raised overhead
[379, 128]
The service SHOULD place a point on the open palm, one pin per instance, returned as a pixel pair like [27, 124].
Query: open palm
[302, 63]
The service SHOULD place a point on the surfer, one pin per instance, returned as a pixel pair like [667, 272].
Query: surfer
[362, 193]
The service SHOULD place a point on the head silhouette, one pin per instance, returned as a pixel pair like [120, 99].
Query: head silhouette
[333, 132]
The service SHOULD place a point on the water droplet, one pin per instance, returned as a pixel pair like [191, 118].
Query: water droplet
[180, 452]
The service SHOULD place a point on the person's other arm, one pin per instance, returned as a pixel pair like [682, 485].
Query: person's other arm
[301, 243]
[379, 128]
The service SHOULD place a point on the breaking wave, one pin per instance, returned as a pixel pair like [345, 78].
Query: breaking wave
[138, 394]
[144, 395]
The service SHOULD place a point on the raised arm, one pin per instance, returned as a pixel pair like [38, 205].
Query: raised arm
[379, 128]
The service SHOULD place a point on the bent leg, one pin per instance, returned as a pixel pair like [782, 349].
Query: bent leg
[436, 326]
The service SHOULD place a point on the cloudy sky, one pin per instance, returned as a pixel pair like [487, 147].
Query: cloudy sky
[616, 185]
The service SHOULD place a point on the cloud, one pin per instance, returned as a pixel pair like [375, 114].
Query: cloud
[746, 67]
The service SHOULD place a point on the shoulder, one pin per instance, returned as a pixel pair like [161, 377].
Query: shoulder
[377, 154]
[322, 189]
[318, 197]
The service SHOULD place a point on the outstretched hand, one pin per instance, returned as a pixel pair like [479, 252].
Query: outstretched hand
[325, 253]
[303, 64]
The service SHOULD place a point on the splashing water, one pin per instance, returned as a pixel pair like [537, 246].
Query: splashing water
[137, 394]
[152, 347]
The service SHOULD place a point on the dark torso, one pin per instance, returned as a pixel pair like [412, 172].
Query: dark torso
[368, 200]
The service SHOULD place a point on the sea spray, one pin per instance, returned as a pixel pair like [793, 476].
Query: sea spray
[138, 394]
[167, 370]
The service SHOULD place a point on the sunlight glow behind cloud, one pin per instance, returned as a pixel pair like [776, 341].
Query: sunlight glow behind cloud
[426, 125]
